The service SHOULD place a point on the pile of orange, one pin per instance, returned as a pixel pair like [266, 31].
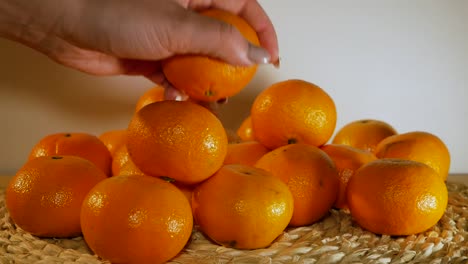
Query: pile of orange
[174, 165]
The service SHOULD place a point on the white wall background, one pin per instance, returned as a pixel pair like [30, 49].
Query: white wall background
[404, 62]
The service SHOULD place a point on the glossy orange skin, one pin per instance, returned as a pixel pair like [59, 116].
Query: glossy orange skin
[208, 79]
[310, 175]
[245, 130]
[129, 168]
[180, 140]
[347, 160]
[187, 190]
[44, 197]
[82, 145]
[155, 94]
[293, 111]
[396, 197]
[136, 219]
[418, 146]
[121, 157]
[242, 207]
[113, 139]
[364, 134]
[246, 153]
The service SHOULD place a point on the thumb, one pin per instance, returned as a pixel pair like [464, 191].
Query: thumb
[199, 34]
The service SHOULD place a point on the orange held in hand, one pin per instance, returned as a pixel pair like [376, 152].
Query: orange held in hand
[208, 79]
[418, 146]
[180, 140]
[347, 160]
[242, 207]
[82, 145]
[396, 197]
[364, 134]
[310, 175]
[136, 219]
[293, 111]
[44, 198]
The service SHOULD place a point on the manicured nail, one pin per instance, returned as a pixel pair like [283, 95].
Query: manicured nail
[258, 55]
[277, 63]
[222, 101]
[170, 93]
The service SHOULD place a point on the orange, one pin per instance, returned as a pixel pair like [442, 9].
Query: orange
[75, 144]
[232, 136]
[44, 197]
[113, 139]
[293, 111]
[347, 160]
[418, 146]
[129, 168]
[136, 219]
[247, 153]
[242, 207]
[180, 140]
[364, 134]
[152, 95]
[207, 79]
[121, 157]
[310, 175]
[396, 197]
[187, 190]
[245, 130]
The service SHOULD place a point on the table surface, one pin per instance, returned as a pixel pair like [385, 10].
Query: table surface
[463, 178]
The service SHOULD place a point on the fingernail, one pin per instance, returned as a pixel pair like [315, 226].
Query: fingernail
[170, 93]
[258, 55]
[222, 101]
[181, 97]
[277, 63]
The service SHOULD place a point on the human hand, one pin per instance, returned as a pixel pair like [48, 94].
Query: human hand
[113, 37]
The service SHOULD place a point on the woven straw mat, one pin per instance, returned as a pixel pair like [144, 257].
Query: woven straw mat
[335, 239]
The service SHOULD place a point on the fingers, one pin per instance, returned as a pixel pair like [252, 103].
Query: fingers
[253, 13]
[199, 34]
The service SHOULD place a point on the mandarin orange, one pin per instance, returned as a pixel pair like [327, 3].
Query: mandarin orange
[83, 145]
[293, 111]
[418, 146]
[44, 197]
[310, 175]
[113, 139]
[364, 134]
[129, 168]
[242, 207]
[180, 140]
[245, 130]
[347, 160]
[396, 197]
[154, 94]
[136, 219]
[121, 157]
[246, 153]
[207, 79]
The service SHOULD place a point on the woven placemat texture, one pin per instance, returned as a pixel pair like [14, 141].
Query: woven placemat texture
[335, 239]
